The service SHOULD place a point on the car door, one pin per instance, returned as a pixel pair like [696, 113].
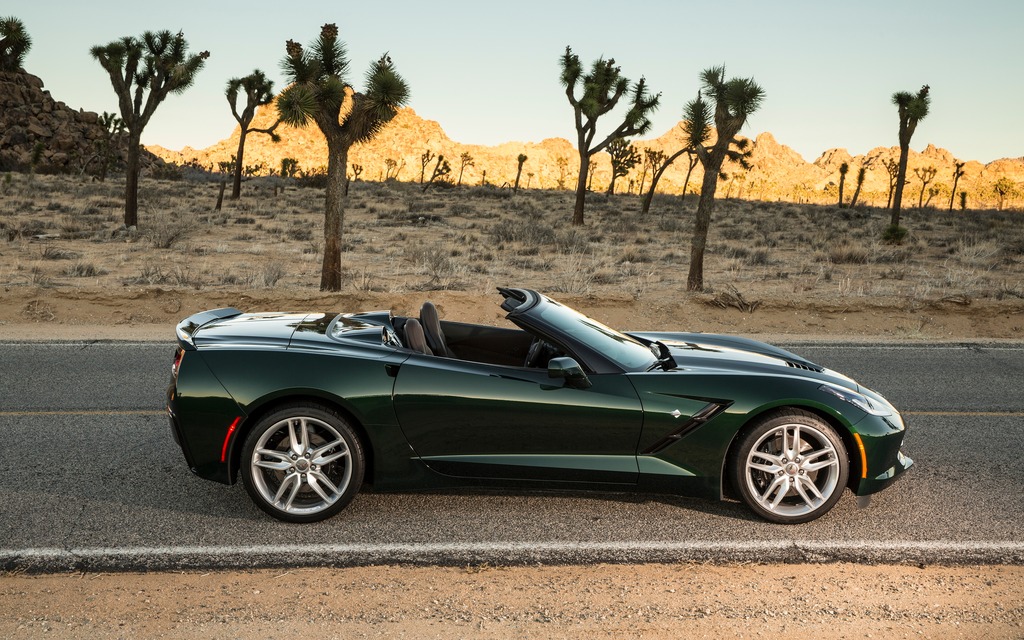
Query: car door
[479, 420]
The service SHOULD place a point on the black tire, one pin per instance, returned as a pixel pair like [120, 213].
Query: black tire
[302, 478]
[790, 467]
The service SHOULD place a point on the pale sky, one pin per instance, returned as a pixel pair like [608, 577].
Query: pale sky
[489, 73]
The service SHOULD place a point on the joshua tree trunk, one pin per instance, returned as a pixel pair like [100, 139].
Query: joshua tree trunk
[131, 198]
[860, 182]
[695, 279]
[236, 184]
[901, 178]
[334, 216]
[581, 191]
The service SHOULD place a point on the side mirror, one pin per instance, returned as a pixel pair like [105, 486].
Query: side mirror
[570, 371]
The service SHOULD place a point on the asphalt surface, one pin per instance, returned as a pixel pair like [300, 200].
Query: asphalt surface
[91, 479]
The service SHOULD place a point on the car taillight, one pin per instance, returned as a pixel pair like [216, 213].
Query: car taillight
[178, 355]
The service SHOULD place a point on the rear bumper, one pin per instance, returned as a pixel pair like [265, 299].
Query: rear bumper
[175, 424]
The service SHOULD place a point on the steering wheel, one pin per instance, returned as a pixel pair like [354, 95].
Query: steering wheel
[537, 349]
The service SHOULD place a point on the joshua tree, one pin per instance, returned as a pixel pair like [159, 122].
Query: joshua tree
[320, 93]
[1004, 188]
[912, 109]
[963, 200]
[389, 165]
[259, 91]
[289, 167]
[958, 172]
[861, 174]
[731, 102]
[519, 171]
[663, 163]
[925, 176]
[893, 169]
[107, 146]
[652, 160]
[425, 159]
[357, 170]
[465, 160]
[602, 88]
[843, 170]
[563, 170]
[158, 62]
[14, 43]
[441, 169]
[623, 158]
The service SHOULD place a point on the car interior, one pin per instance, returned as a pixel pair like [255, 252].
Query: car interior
[430, 335]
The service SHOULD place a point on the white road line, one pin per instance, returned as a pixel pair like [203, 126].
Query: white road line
[427, 549]
[959, 346]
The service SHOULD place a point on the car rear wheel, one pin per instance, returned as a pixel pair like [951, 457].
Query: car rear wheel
[790, 467]
[302, 463]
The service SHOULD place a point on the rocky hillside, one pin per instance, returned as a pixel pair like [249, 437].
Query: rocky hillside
[30, 116]
[778, 173]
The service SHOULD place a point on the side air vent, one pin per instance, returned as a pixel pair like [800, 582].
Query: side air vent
[805, 367]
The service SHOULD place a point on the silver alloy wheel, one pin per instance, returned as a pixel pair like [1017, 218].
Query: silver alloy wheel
[792, 470]
[301, 465]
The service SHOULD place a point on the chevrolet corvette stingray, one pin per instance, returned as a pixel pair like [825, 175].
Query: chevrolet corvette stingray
[307, 408]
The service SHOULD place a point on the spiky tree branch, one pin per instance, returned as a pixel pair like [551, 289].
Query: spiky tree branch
[912, 109]
[143, 73]
[601, 89]
[320, 93]
[14, 43]
[259, 92]
[729, 102]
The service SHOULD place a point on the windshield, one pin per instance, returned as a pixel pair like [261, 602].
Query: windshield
[628, 353]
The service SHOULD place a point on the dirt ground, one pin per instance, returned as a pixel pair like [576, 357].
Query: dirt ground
[603, 601]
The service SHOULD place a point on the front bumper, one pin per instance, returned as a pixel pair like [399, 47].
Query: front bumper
[883, 439]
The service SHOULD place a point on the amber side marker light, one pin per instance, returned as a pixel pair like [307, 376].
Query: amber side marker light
[234, 425]
[860, 445]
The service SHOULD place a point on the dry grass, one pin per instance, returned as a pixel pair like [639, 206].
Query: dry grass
[62, 231]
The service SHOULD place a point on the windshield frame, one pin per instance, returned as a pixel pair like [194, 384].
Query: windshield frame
[599, 348]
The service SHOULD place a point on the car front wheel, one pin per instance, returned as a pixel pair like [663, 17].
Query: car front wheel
[790, 467]
[302, 463]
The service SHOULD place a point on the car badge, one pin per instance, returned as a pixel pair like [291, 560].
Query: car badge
[676, 413]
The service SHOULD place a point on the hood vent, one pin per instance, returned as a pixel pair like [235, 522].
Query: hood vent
[805, 367]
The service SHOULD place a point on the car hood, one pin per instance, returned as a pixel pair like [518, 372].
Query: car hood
[740, 355]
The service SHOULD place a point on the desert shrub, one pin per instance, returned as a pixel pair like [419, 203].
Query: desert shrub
[301, 234]
[265, 276]
[848, 254]
[84, 270]
[460, 209]
[572, 241]
[166, 232]
[894, 234]
[523, 207]
[524, 231]
[55, 253]
[757, 258]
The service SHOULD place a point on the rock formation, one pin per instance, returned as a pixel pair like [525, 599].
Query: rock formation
[30, 116]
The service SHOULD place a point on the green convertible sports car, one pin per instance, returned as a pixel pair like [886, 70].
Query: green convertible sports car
[310, 406]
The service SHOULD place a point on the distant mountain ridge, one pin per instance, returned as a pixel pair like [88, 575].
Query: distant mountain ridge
[29, 116]
[778, 173]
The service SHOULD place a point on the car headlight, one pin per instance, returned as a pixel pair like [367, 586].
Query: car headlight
[858, 400]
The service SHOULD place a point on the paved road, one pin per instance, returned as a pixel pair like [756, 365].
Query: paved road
[90, 478]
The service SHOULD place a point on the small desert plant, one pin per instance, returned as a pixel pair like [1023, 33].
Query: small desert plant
[848, 254]
[894, 234]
